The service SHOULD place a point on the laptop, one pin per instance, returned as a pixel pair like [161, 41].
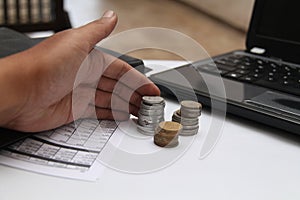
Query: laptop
[262, 82]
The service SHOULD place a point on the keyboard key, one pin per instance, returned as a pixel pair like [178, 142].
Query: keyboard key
[233, 75]
[243, 67]
[225, 62]
[249, 79]
[241, 71]
[225, 67]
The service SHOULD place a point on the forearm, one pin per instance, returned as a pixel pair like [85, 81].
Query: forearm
[13, 87]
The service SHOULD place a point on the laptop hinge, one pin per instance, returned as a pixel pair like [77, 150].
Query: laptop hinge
[258, 50]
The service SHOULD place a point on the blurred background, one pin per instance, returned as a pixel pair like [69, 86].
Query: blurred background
[218, 25]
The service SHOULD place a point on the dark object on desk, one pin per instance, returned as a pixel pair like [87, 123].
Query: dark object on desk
[262, 83]
[13, 42]
[32, 16]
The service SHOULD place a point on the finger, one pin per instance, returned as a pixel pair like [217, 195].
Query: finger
[105, 113]
[108, 114]
[98, 29]
[106, 84]
[124, 92]
[121, 71]
[108, 101]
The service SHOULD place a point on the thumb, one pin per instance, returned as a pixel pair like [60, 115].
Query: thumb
[99, 29]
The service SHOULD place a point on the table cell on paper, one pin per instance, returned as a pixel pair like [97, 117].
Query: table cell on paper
[109, 124]
[86, 158]
[76, 141]
[88, 124]
[38, 160]
[30, 146]
[57, 164]
[20, 156]
[59, 137]
[65, 154]
[47, 150]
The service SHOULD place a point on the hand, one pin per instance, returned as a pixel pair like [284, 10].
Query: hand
[64, 78]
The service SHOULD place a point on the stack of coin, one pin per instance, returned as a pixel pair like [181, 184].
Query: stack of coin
[151, 113]
[166, 134]
[187, 116]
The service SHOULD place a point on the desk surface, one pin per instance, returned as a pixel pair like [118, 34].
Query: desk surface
[250, 161]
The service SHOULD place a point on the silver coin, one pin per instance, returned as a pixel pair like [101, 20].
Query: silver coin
[191, 105]
[153, 99]
[186, 132]
[148, 132]
[150, 118]
[192, 127]
[190, 113]
[146, 125]
[145, 130]
[183, 120]
[176, 116]
[151, 112]
[186, 121]
[149, 122]
[152, 106]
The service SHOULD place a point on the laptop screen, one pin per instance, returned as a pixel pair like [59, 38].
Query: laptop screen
[278, 20]
[275, 28]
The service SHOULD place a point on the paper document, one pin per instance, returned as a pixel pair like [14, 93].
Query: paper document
[70, 151]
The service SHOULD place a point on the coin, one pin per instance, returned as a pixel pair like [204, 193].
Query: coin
[166, 134]
[192, 127]
[152, 99]
[170, 126]
[176, 115]
[186, 132]
[145, 130]
[163, 142]
[150, 114]
[154, 112]
[187, 104]
[184, 121]
[146, 120]
[152, 106]
[189, 113]
[187, 116]
[190, 109]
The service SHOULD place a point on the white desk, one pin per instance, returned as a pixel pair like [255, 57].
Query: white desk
[249, 162]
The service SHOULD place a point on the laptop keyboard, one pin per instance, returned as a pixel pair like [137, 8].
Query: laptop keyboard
[256, 71]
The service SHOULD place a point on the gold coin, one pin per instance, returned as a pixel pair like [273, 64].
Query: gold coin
[164, 142]
[169, 126]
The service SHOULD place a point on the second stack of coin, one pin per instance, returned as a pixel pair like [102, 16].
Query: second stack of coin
[166, 134]
[151, 113]
[187, 116]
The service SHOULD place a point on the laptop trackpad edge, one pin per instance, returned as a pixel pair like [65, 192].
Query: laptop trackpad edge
[277, 103]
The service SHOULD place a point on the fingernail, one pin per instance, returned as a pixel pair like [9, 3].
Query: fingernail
[108, 13]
